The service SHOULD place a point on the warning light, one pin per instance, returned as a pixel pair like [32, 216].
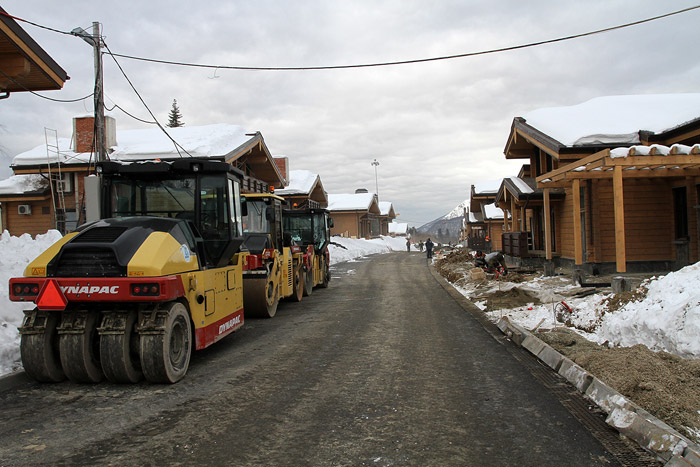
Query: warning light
[51, 297]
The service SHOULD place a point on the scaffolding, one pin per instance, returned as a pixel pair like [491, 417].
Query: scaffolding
[56, 181]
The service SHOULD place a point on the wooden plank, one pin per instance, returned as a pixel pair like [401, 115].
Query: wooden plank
[619, 208]
[547, 226]
[578, 242]
[592, 158]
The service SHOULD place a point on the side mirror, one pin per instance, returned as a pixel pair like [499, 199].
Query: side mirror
[244, 207]
[270, 214]
[330, 222]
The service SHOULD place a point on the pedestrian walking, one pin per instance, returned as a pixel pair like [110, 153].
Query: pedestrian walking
[429, 247]
[420, 246]
[408, 244]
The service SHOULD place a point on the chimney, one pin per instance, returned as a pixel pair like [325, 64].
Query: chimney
[361, 190]
[84, 129]
[282, 163]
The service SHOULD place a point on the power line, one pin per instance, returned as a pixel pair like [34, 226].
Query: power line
[177, 145]
[34, 24]
[419, 60]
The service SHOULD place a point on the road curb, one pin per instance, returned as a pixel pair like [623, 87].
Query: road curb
[14, 380]
[624, 415]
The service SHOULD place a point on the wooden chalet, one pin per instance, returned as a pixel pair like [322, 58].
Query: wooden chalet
[304, 190]
[24, 65]
[485, 220]
[355, 215]
[47, 190]
[619, 179]
[386, 216]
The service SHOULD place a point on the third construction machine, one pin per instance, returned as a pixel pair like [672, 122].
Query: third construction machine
[310, 228]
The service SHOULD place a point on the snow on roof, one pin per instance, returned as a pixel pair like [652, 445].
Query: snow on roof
[521, 185]
[400, 228]
[493, 212]
[18, 184]
[385, 208]
[615, 119]
[350, 201]
[487, 187]
[300, 182]
[655, 150]
[215, 140]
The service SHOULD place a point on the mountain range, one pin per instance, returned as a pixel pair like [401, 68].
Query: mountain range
[447, 227]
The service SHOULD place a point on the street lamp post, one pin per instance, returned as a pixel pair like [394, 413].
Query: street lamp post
[375, 163]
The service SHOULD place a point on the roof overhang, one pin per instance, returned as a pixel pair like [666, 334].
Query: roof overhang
[24, 65]
[254, 159]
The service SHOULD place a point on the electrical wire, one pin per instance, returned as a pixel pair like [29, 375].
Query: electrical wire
[117, 106]
[44, 97]
[35, 24]
[419, 60]
[177, 145]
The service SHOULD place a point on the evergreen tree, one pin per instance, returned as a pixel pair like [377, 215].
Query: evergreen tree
[175, 117]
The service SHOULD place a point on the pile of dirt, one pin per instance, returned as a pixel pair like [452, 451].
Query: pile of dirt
[511, 298]
[663, 384]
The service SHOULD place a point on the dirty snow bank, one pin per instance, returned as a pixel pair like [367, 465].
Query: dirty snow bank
[17, 252]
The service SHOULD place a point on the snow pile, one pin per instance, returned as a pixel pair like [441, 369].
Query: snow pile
[356, 248]
[666, 318]
[17, 253]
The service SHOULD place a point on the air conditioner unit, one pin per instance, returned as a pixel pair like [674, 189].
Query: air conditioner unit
[24, 209]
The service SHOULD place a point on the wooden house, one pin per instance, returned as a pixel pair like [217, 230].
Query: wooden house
[354, 215]
[47, 190]
[386, 216]
[24, 65]
[620, 182]
[304, 190]
[485, 221]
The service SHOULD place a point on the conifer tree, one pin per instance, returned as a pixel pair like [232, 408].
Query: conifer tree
[175, 117]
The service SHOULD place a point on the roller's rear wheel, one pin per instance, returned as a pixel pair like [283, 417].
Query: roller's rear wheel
[298, 283]
[325, 275]
[261, 297]
[166, 357]
[119, 352]
[308, 282]
[40, 351]
[79, 347]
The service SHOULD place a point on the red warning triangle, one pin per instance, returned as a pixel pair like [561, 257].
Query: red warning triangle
[51, 297]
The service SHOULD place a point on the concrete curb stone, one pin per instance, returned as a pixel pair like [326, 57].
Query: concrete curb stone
[625, 416]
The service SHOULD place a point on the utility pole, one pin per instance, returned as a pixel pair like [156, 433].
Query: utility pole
[375, 163]
[99, 94]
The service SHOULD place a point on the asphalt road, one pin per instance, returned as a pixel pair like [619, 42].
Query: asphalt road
[382, 368]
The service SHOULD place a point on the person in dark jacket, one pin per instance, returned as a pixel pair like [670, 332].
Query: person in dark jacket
[429, 247]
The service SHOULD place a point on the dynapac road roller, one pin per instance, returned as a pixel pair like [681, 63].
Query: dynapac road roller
[311, 229]
[130, 296]
[275, 264]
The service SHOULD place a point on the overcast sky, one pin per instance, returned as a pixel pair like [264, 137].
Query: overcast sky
[435, 128]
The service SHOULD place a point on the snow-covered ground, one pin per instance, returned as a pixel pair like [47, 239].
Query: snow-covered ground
[19, 251]
[667, 318]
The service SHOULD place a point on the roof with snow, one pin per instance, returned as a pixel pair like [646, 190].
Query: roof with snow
[353, 202]
[386, 208]
[398, 228]
[603, 122]
[218, 141]
[20, 184]
[304, 184]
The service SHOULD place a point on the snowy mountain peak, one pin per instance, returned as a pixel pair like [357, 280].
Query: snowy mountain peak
[457, 211]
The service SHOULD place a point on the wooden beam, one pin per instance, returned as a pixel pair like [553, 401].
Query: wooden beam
[547, 226]
[562, 184]
[513, 214]
[536, 143]
[578, 241]
[619, 205]
[588, 159]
